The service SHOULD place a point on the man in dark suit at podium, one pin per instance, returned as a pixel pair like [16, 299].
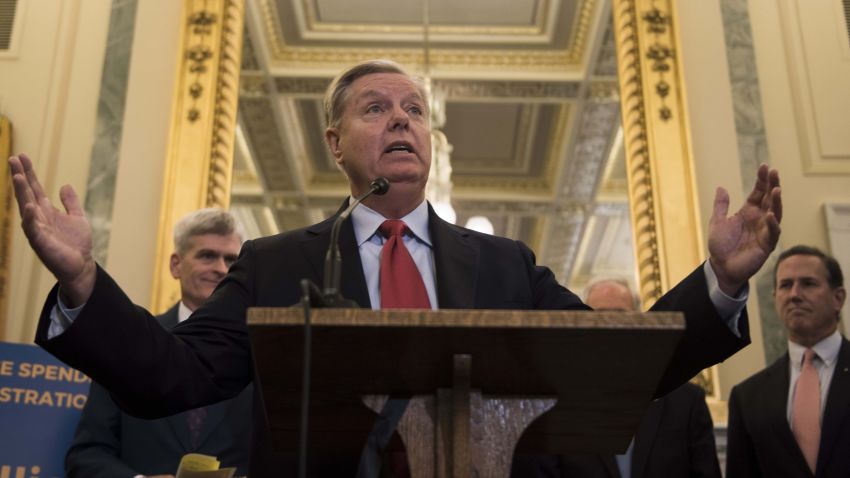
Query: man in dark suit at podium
[792, 419]
[109, 443]
[676, 435]
[378, 126]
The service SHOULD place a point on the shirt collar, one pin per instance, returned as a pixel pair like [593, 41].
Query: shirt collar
[183, 312]
[366, 222]
[826, 350]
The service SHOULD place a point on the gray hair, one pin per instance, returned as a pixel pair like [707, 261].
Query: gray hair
[614, 280]
[204, 221]
[337, 93]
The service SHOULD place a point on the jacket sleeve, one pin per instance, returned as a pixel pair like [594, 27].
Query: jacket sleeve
[740, 452]
[96, 448]
[204, 360]
[702, 450]
[707, 339]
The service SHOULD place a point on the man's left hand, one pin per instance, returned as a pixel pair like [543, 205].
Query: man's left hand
[740, 244]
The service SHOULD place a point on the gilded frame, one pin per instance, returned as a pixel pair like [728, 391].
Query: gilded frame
[6, 215]
[665, 220]
[203, 126]
[666, 225]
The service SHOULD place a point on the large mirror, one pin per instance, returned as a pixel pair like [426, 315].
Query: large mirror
[529, 93]
[558, 122]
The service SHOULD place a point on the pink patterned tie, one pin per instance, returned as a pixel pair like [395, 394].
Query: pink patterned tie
[401, 284]
[805, 419]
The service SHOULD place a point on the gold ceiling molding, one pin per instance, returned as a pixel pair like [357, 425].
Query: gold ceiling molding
[545, 91]
[253, 86]
[537, 28]
[300, 86]
[5, 221]
[605, 90]
[199, 161]
[334, 57]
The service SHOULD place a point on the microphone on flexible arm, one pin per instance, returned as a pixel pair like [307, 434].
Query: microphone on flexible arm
[333, 259]
[329, 297]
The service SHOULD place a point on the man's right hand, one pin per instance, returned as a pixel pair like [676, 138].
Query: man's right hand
[62, 240]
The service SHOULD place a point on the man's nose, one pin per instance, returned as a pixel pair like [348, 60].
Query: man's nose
[795, 290]
[221, 266]
[399, 119]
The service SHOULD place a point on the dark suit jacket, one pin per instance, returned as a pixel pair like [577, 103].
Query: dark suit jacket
[675, 439]
[109, 443]
[209, 357]
[760, 442]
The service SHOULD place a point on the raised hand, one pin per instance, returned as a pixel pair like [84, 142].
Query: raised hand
[740, 244]
[62, 240]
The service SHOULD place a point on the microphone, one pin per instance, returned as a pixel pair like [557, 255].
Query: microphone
[333, 258]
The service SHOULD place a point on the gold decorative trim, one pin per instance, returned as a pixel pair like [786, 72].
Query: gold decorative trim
[637, 151]
[5, 221]
[203, 124]
[665, 220]
[557, 60]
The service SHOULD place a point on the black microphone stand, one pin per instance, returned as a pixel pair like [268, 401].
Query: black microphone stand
[329, 297]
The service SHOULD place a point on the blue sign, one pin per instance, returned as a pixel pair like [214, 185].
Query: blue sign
[40, 403]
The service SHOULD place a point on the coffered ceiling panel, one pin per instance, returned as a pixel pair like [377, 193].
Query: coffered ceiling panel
[375, 14]
[488, 35]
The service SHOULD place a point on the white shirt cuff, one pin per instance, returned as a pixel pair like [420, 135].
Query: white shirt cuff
[61, 317]
[728, 308]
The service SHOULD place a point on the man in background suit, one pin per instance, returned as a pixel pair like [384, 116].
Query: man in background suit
[792, 419]
[111, 444]
[377, 126]
[676, 435]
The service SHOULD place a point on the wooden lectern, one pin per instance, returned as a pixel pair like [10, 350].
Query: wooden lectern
[483, 383]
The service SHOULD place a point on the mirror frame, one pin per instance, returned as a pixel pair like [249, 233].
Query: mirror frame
[6, 216]
[668, 240]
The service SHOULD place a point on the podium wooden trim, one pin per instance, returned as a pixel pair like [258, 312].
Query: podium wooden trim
[469, 372]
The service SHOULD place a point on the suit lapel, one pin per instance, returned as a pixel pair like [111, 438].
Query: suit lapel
[645, 438]
[455, 264]
[315, 246]
[169, 319]
[837, 401]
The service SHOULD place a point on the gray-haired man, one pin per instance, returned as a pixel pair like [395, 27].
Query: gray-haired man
[108, 442]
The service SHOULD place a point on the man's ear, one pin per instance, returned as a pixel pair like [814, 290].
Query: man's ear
[332, 140]
[840, 295]
[174, 265]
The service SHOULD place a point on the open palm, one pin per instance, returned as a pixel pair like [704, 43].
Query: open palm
[740, 244]
[61, 239]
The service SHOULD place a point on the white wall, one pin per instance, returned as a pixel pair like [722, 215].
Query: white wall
[48, 89]
[709, 103]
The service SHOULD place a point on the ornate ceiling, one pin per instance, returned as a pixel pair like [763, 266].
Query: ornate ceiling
[531, 104]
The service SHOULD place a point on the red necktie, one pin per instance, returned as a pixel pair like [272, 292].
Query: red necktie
[401, 283]
[805, 418]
